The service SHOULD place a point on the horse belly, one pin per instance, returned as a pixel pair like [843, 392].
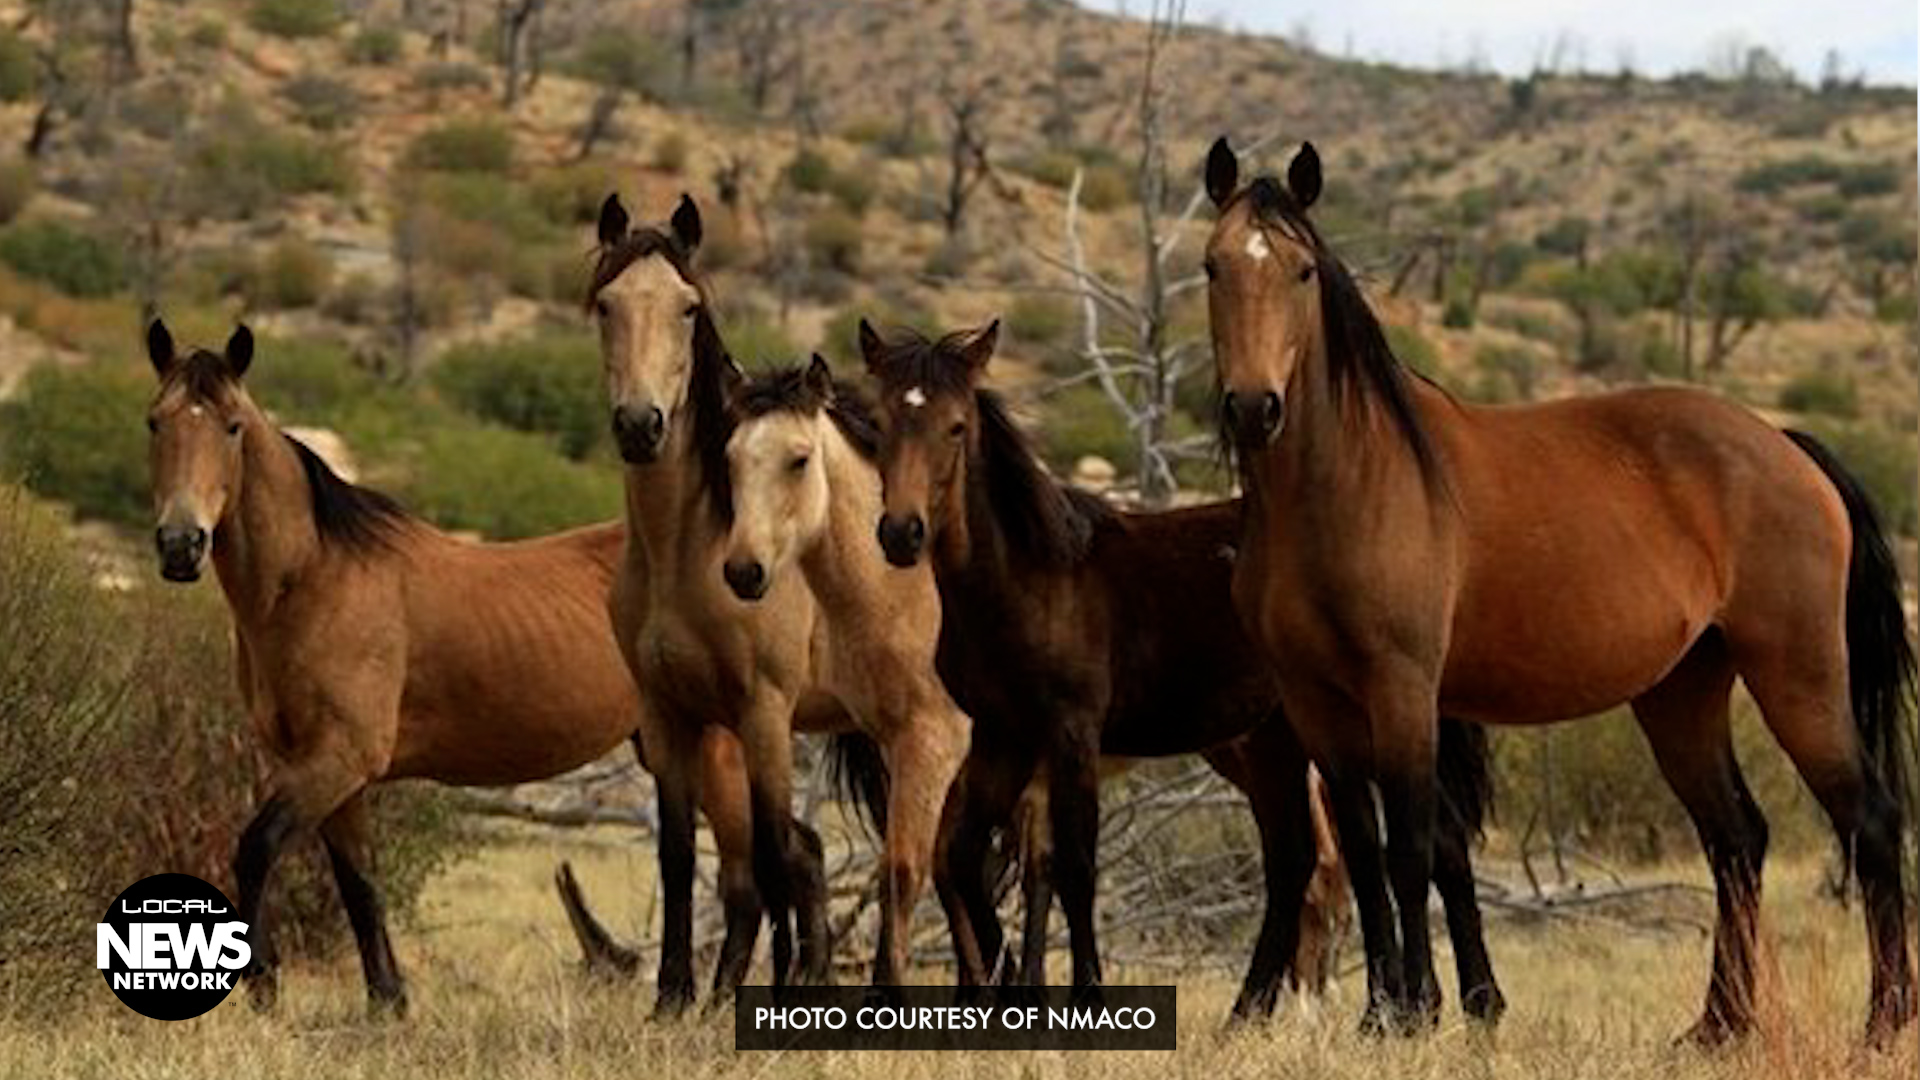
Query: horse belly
[1576, 654]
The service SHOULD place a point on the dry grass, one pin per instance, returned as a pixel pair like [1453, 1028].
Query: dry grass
[496, 993]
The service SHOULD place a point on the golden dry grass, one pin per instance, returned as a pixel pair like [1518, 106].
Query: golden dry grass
[496, 993]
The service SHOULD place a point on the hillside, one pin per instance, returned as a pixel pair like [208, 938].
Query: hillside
[347, 177]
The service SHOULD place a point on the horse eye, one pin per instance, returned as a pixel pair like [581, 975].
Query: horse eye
[692, 310]
[153, 425]
[1306, 272]
[233, 427]
[798, 464]
[958, 429]
[1212, 268]
[600, 308]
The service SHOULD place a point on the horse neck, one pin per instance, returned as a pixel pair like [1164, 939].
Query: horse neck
[841, 560]
[267, 535]
[668, 520]
[982, 564]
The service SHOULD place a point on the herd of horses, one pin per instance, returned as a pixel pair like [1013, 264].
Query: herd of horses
[1401, 568]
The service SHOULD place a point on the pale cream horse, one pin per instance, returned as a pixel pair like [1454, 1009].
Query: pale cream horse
[763, 668]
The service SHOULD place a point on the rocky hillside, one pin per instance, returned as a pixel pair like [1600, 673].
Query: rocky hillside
[353, 179]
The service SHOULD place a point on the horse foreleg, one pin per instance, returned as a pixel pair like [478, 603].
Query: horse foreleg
[1480, 995]
[351, 852]
[990, 783]
[1036, 882]
[723, 795]
[673, 783]
[766, 737]
[924, 752]
[1073, 779]
[1409, 799]
[1270, 768]
[302, 795]
[1359, 829]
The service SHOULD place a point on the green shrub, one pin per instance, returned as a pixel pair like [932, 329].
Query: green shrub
[18, 69]
[1080, 421]
[546, 385]
[1504, 373]
[759, 342]
[126, 753]
[1413, 348]
[70, 259]
[504, 484]
[17, 185]
[1458, 314]
[76, 434]
[833, 238]
[210, 34]
[320, 102]
[295, 18]
[624, 59]
[1868, 180]
[570, 196]
[312, 382]
[375, 46]
[295, 274]
[240, 167]
[670, 153]
[1039, 319]
[1821, 392]
[482, 146]
[809, 172]
[1791, 172]
[441, 75]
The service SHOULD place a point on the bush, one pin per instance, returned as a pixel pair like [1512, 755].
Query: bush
[72, 260]
[1413, 348]
[442, 75]
[1775, 176]
[295, 274]
[321, 103]
[620, 58]
[1883, 461]
[1821, 392]
[375, 46]
[482, 146]
[507, 485]
[547, 385]
[208, 34]
[126, 753]
[1505, 373]
[76, 435]
[1865, 181]
[295, 18]
[18, 69]
[670, 153]
[833, 238]
[809, 172]
[17, 184]
[570, 196]
[240, 167]
[1038, 319]
[1080, 421]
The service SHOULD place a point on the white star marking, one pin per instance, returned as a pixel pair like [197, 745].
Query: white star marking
[914, 397]
[1257, 248]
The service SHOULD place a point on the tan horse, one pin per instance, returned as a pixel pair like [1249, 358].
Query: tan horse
[370, 646]
[1407, 555]
[765, 668]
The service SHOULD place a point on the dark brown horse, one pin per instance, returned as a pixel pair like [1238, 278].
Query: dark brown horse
[1073, 630]
[370, 646]
[1407, 556]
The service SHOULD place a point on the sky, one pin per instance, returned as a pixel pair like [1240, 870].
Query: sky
[1659, 37]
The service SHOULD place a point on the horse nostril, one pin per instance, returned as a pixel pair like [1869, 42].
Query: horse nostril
[748, 579]
[654, 423]
[916, 531]
[1270, 411]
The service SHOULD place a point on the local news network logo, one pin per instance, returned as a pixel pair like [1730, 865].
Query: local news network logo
[170, 947]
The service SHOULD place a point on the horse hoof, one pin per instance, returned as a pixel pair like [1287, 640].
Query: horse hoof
[385, 1005]
[1886, 1021]
[672, 1005]
[263, 991]
[1708, 1033]
[1485, 1005]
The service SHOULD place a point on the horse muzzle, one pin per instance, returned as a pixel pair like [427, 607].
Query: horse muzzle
[639, 431]
[747, 578]
[1254, 419]
[182, 548]
[902, 539]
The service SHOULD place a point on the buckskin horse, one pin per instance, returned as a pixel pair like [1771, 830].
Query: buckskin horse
[1072, 630]
[1407, 555]
[370, 646]
[763, 668]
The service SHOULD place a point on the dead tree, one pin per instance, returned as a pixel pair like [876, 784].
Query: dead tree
[519, 45]
[1140, 378]
[966, 151]
[599, 125]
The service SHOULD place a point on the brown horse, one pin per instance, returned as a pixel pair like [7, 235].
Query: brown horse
[370, 646]
[1073, 630]
[785, 661]
[1407, 555]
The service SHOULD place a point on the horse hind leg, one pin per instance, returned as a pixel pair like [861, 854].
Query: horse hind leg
[1036, 884]
[1685, 718]
[349, 849]
[807, 869]
[1803, 696]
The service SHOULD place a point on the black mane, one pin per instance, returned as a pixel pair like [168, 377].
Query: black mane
[1357, 347]
[785, 389]
[640, 242]
[711, 423]
[1041, 517]
[345, 514]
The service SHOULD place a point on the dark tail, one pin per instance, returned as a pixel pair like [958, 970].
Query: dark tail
[1466, 775]
[1880, 664]
[859, 771]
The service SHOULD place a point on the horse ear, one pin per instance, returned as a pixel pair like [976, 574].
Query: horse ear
[1303, 176]
[1223, 172]
[819, 379]
[872, 349]
[977, 352]
[686, 223]
[160, 347]
[613, 221]
[239, 350]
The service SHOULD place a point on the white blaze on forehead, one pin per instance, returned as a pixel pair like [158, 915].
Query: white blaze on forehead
[915, 397]
[1257, 248]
